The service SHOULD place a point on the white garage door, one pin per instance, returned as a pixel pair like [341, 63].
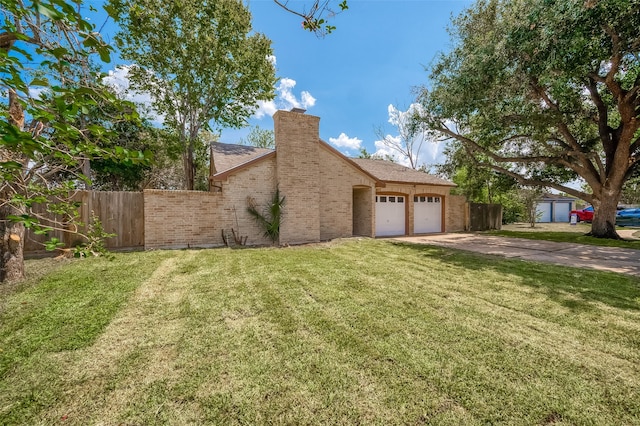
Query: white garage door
[561, 212]
[543, 212]
[427, 214]
[390, 215]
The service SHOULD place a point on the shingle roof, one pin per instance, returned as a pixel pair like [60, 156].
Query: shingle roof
[227, 156]
[555, 197]
[387, 171]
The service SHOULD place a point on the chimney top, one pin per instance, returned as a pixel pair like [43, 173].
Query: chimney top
[298, 110]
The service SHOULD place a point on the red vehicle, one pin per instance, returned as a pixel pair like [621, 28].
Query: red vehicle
[584, 215]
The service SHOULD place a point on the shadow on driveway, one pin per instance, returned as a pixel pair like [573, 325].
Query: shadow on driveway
[613, 259]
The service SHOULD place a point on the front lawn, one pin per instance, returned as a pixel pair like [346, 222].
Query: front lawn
[564, 233]
[351, 332]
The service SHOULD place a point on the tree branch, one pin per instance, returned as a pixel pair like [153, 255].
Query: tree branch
[7, 40]
[584, 168]
[603, 114]
[539, 91]
[498, 158]
[537, 182]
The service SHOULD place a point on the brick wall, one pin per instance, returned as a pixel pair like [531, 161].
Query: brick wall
[337, 181]
[363, 211]
[257, 182]
[298, 174]
[457, 216]
[179, 219]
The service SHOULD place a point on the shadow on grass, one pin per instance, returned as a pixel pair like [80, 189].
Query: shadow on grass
[574, 288]
[569, 237]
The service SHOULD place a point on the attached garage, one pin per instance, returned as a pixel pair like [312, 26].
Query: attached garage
[390, 215]
[427, 214]
[410, 202]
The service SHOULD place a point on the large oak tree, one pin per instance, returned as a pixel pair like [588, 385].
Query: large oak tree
[545, 91]
[199, 60]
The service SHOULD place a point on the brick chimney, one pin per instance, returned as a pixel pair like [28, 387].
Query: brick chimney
[298, 175]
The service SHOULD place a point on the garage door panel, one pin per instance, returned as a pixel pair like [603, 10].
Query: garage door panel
[390, 215]
[543, 212]
[427, 214]
[561, 212]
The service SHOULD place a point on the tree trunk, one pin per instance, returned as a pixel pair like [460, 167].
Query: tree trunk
[189, 175]
[11, 247]
[604, 215]
[11, 233]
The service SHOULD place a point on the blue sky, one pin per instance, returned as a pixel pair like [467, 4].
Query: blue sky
[349, 78]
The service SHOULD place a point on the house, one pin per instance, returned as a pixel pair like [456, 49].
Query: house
[554, 208]
[327, 194]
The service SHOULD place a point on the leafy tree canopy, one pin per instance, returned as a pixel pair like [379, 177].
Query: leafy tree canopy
[545, 91]
[261, 138]
[199, 60]
[45, 51]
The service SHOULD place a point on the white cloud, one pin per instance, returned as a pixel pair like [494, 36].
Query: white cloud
[344, 141]
[307, 100]
[285, 99]
[265, 108]
[37, 91]
[118, 79]
[383, 151]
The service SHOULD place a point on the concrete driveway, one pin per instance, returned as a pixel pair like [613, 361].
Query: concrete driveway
[625, 261]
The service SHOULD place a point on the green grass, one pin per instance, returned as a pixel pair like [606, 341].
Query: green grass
[354, 332]
[567, 237]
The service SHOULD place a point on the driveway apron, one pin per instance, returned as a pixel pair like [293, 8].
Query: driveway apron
[614, 259]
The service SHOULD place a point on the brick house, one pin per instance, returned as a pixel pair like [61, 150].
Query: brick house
[327, 194]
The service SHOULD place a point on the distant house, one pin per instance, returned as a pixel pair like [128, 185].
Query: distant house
[554, 208]
[327, 194]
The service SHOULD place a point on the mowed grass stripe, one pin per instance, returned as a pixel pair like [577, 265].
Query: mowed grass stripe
[354, 332]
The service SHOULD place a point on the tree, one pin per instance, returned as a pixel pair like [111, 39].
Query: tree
[411, 134]
[43, 145]
[631, 191]
[198, 60]
[369, 156]
[545, 91]
[529, 198]
[131, 134]
[261, 138]
[480, 184]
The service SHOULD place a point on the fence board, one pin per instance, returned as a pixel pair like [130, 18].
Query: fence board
[483, 217]
[121, 213]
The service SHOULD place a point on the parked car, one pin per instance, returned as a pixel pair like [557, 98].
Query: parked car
[584, 215]
[628, 217]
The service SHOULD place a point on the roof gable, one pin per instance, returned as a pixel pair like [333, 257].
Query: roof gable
[350, 162]
[226, 156]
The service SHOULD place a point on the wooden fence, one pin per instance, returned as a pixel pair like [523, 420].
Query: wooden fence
[483, 217]
[121, 213]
